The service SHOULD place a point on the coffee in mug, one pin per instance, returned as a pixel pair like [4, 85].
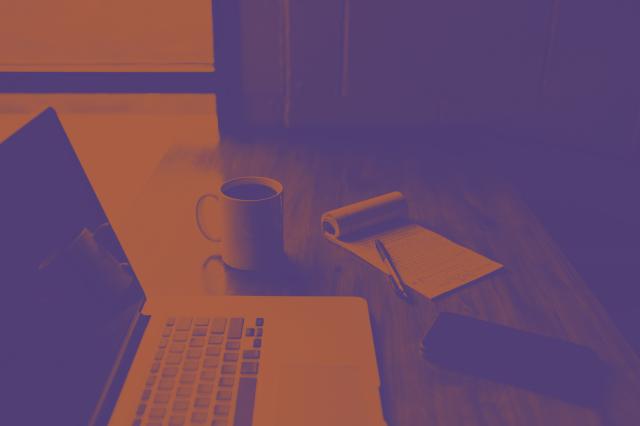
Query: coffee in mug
[250, 192]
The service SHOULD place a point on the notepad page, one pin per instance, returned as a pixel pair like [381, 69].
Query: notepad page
[428, 262]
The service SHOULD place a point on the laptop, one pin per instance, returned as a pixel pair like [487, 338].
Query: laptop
[77, 350]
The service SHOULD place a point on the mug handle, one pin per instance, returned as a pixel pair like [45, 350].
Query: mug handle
[199, 223]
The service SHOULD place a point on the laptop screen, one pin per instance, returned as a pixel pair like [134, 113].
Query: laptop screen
[68, 296]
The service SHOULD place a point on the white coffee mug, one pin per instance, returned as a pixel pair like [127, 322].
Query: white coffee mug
[250, 217]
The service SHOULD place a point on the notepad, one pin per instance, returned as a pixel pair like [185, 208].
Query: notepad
[428, 262]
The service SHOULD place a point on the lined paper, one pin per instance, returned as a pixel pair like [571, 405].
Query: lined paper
[428, 262]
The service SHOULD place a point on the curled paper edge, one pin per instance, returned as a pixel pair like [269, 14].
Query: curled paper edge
[359, 216]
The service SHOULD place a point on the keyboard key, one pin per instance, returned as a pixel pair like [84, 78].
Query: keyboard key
[233, 345]
[181, 405]
[201, 321]
[230, 356]
[146, 394]
[228, 369]
[249, 368]
[219, 422]
[205, 388]
[155, 367]
[180, 336]
[163, 342]
[151, 380]
[190, 365]
[215, 339]
[224, 395]
[259, 322]
[199, 417]
[170, 371]
[184, 391]
[158, 411]
[259, 332]
[194, 353]
[183, 324]
[202, 402]
[251, 354]
[173, 359]
[213, 350]
[226, 382]
[170, 321]
[199, 331]
[176, 420]
[250, 332]
[166, 384]
[140, 410]
[177, 348]
[208, 375]
[211, 363]
[161, 398]
[159, 354]
[245, 401]
[138, 422]
[187, 378]
[218, 325]
[167, 332]
[221, 410]
[235, 328]
[257, 343]
[196, 342]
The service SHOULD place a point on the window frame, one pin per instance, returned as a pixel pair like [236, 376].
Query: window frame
[108, 82]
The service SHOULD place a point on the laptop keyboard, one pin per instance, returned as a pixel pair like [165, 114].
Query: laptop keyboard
[204, 373]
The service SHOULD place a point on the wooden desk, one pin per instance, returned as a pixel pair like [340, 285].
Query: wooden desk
[537, 291]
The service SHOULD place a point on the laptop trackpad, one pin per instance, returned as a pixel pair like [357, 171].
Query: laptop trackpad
[320, 395]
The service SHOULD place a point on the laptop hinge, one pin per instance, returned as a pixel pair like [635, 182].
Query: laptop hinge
[119, 371]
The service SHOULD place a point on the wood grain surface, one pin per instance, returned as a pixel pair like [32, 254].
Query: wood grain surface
[467, 201]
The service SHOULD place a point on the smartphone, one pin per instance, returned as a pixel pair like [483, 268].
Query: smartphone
[547, 365]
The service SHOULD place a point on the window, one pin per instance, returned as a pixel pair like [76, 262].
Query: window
[106, 45]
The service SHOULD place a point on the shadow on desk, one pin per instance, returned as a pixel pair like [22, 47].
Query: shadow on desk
[553, 367]
[285, 279]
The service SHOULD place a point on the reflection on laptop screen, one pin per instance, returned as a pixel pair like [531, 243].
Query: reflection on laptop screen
[68, 297]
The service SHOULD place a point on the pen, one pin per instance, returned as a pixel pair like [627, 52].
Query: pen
[392, 271]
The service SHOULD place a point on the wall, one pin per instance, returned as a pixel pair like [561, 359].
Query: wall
[567, 67]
